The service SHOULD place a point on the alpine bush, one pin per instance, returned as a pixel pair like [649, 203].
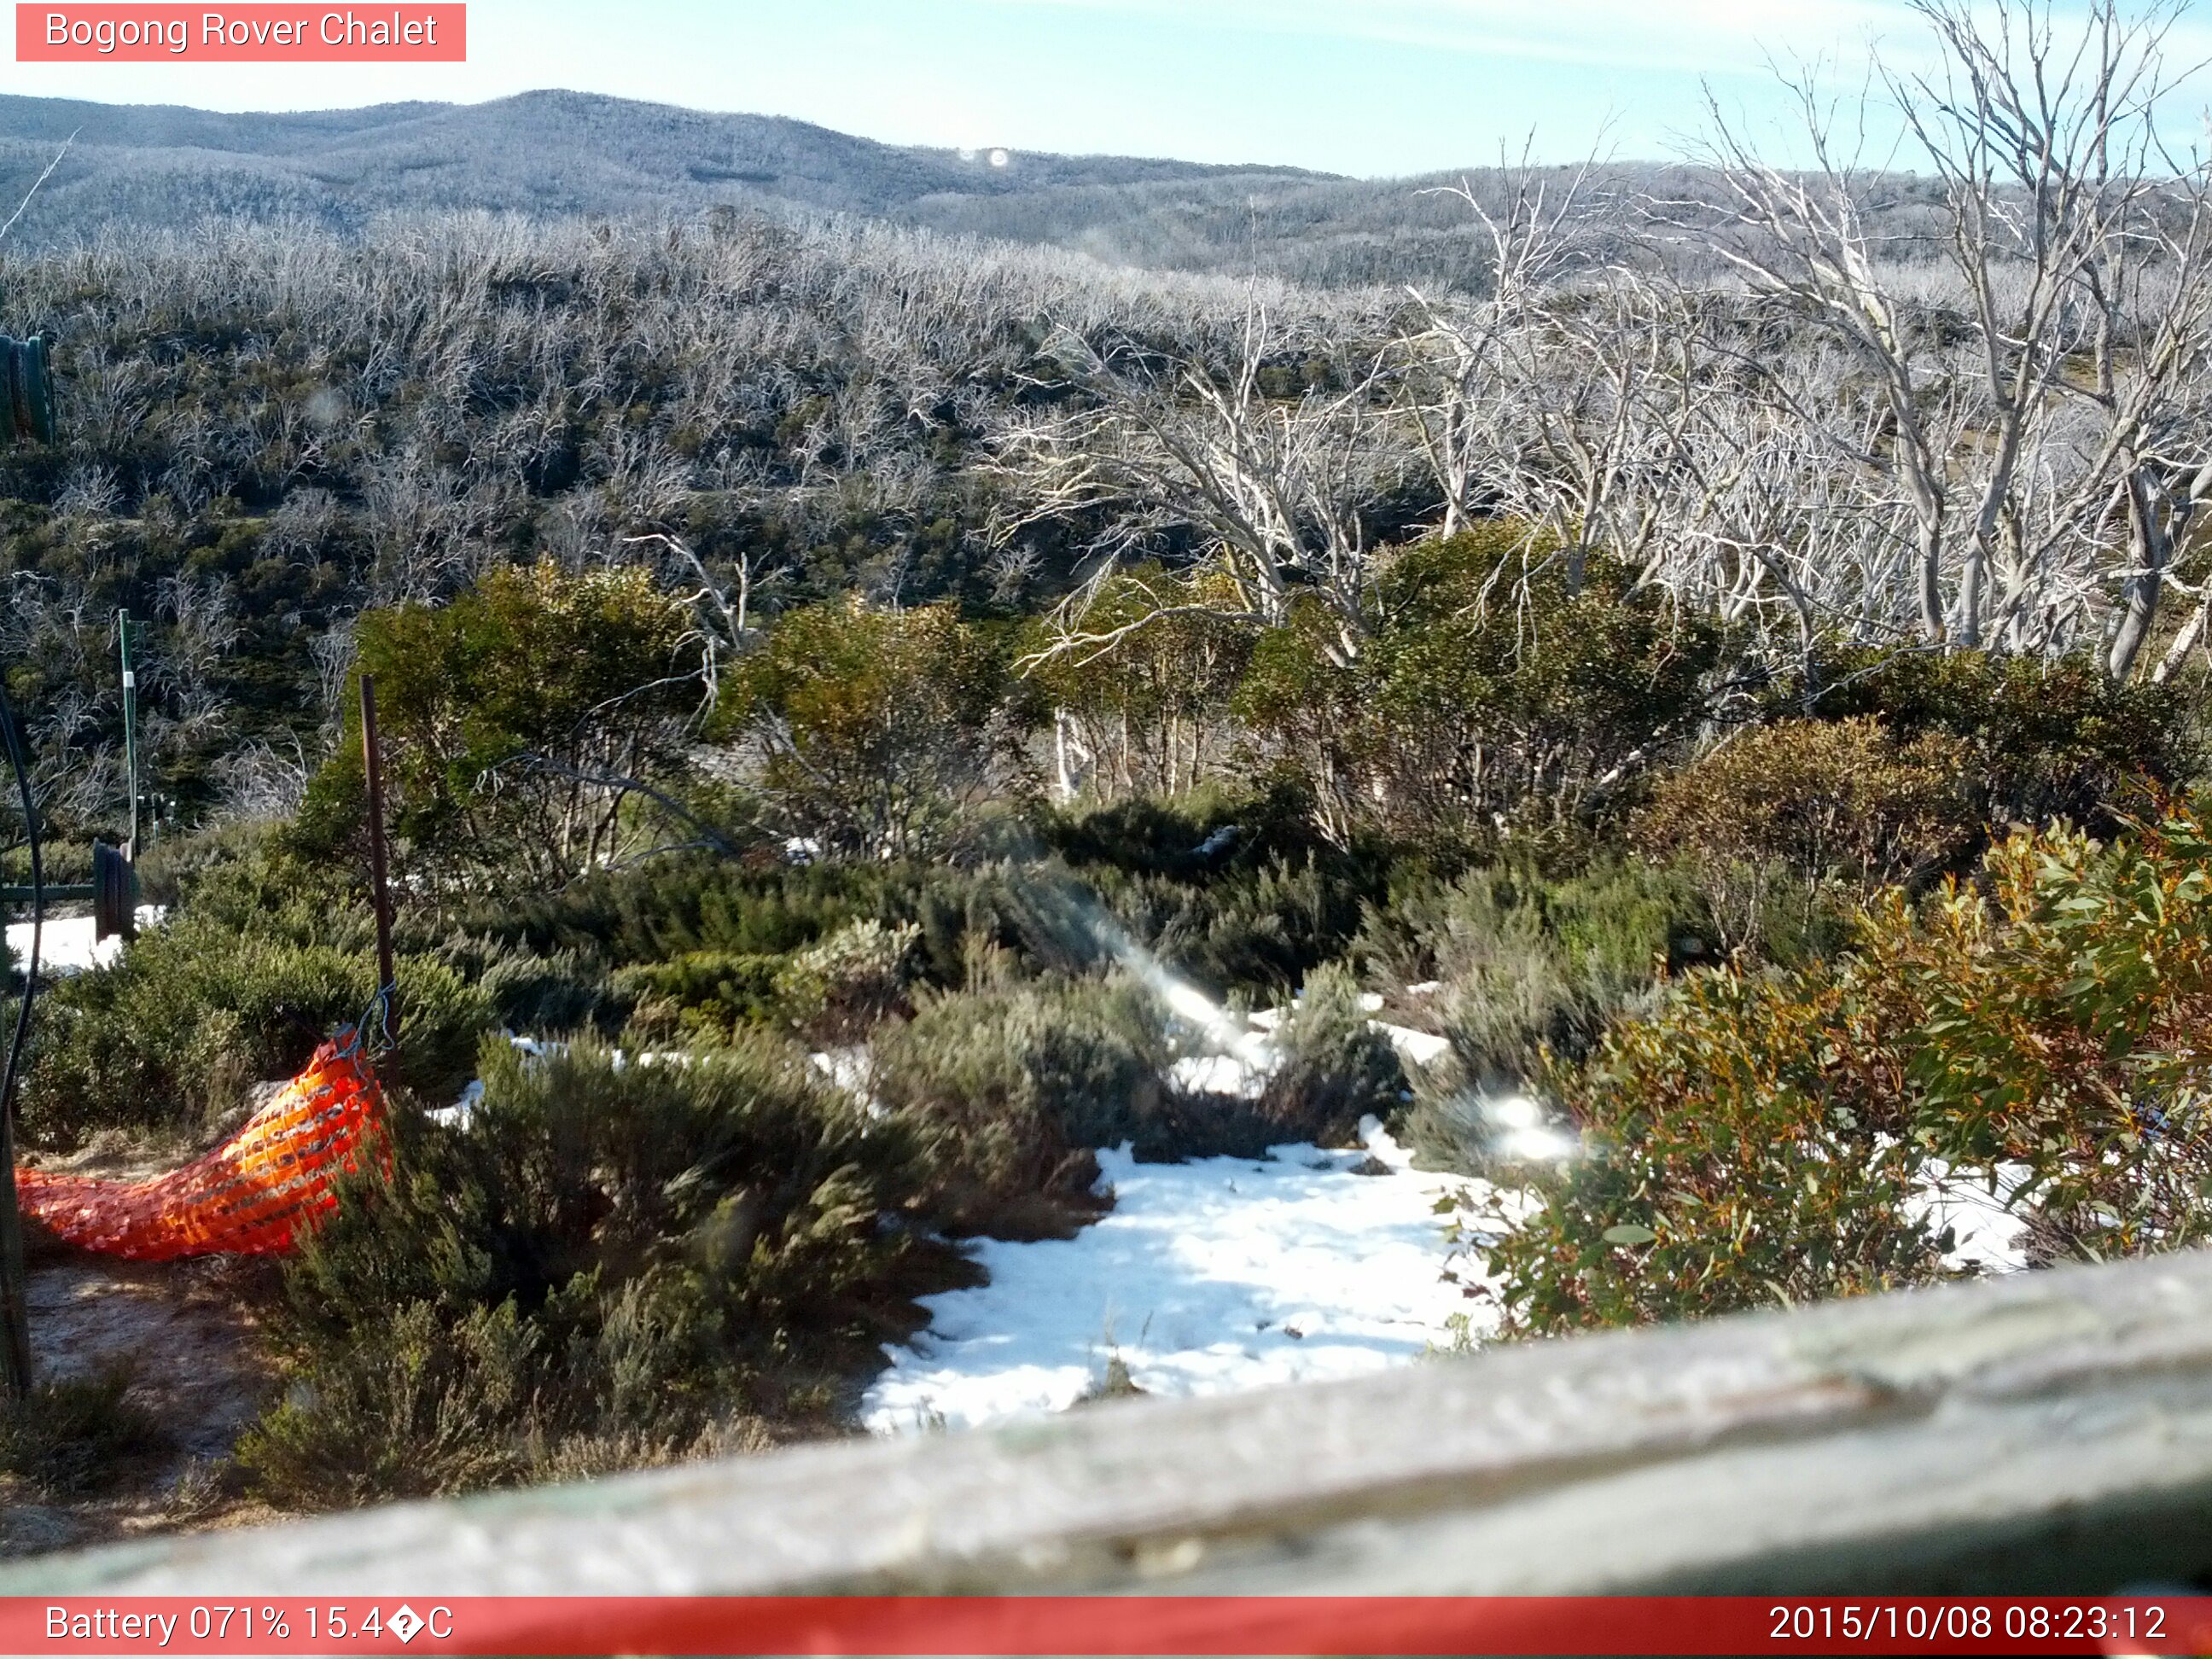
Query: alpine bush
[632, 1255]
[1762, 1137]
[170, 1039]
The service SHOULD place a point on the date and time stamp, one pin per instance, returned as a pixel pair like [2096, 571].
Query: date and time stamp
[1952, 1626]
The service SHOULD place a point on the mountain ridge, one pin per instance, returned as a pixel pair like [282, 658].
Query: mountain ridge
[552, 153]
[657, 149]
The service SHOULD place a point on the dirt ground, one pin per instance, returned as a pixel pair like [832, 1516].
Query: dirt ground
[185, 1332]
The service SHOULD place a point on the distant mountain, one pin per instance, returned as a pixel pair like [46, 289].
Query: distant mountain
[562, 154]
[540, 152]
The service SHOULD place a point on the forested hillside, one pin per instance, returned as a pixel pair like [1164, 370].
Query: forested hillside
[542, 153]
[130, 170]
[1691, 731]
[269, 430]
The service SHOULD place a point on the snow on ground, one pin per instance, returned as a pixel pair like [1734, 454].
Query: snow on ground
[852, 1069]
[1421, 1047]
[1208, 1277]
[1244, 1053]
[66, 944]
[1985, 1232]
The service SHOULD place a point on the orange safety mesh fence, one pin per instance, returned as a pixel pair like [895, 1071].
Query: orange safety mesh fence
[249, 1196]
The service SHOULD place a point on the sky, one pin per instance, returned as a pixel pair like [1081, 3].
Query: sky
[1373, 88]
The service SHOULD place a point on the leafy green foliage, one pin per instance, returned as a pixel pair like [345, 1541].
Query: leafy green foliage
[1013, 1087]
[2055, 1024]
[659, 911]
[519, 721]
[1332, 1068]
[704, 992]
[834, 990]
[1523, 969]
[1260, 930]
[1741, 1148]
[1466, 703]
[875, 725]
[2042, 739]
[848, 983]
[1766, 1132]
[1195, 836]
[1145, 687]
[608, 1263]
[1826, 802]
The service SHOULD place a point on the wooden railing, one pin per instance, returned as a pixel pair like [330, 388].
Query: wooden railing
[2047, 1432]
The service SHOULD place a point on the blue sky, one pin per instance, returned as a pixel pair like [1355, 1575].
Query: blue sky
[1367, 86]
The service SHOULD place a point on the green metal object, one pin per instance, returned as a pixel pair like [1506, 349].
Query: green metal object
[14, 409]
[130, 730]
[27, 391]
[112, 892]
[39, 388]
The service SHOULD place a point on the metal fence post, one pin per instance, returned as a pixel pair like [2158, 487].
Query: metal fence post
[372, 748]
[131, 848]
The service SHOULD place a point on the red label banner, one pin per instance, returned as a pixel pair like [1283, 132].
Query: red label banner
[1105, 1625]
[308, 34]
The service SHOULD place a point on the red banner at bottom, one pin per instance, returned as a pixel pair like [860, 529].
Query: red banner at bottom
[1105, 1625]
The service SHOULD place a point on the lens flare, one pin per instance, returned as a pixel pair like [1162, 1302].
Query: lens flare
[1519, 1129]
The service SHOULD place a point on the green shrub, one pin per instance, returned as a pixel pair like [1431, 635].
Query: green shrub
[721, 907]
[684, 903]
[416, 1407]
[1151, 712]
[1258, 914]
[501, 711]
[704, 992]
[207, 860]
[1524, 968]
[1013, 1089]
[1196, 836]
[844, 985]
[1332, 1068]
[2045, 741]
[834, 990]
[78, 1437]
[1495, 685]
[611, 1261]
[171, 1038]
[1260, 929]
[1757, 1139]
[874, 727]
[554, 994]
[243, 878]
[1838, 802]
[2054, 1023]
[1738, 1150]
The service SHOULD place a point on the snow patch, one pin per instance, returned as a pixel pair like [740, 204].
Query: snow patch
[1421, 1047]
[67, 945]
[463, 1111]
[1986, 1232]
[1210, 1277]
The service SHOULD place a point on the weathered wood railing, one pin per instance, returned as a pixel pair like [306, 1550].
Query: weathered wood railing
[2048, 1433]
